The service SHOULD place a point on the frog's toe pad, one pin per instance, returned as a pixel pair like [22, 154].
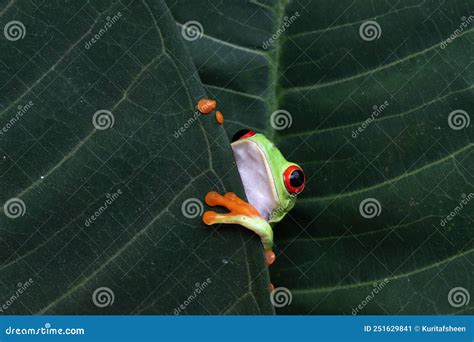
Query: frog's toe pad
[213, 198]
[231, 196]
[270, 257]
[209, 217]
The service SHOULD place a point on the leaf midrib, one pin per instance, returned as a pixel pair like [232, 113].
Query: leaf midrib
[273, 100]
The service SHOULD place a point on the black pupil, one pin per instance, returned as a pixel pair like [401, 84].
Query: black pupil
[296, 178]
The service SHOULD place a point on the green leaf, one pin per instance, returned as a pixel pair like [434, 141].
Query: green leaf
[406, 156]
[128, 58]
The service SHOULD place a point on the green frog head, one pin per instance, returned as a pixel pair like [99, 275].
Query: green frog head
[271, 182]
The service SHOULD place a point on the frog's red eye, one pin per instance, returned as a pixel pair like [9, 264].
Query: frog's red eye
[243, 134]
[294, 179]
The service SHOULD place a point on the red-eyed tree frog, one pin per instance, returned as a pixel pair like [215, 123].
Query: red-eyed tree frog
[271, 184]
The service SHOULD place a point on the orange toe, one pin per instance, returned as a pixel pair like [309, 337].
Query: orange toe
[270, 257]
[209, 217]
[232, 202]
[271, 287]
[212, 198]
[230, 195]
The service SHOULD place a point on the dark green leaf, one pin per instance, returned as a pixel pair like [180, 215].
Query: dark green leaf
[408, 158]
[132, 177]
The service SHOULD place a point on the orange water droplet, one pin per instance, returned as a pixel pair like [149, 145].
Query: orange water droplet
[219, 117]
[206, 106]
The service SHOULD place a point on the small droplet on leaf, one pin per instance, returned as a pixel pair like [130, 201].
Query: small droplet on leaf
[206, 106]
[219, 118]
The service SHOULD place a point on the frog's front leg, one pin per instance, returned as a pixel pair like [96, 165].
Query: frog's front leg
[241, 213]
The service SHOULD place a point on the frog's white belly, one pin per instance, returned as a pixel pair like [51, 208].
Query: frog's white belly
[256, 177]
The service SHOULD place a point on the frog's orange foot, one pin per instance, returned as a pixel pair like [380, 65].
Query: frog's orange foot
[230, 201]
[241, 213]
